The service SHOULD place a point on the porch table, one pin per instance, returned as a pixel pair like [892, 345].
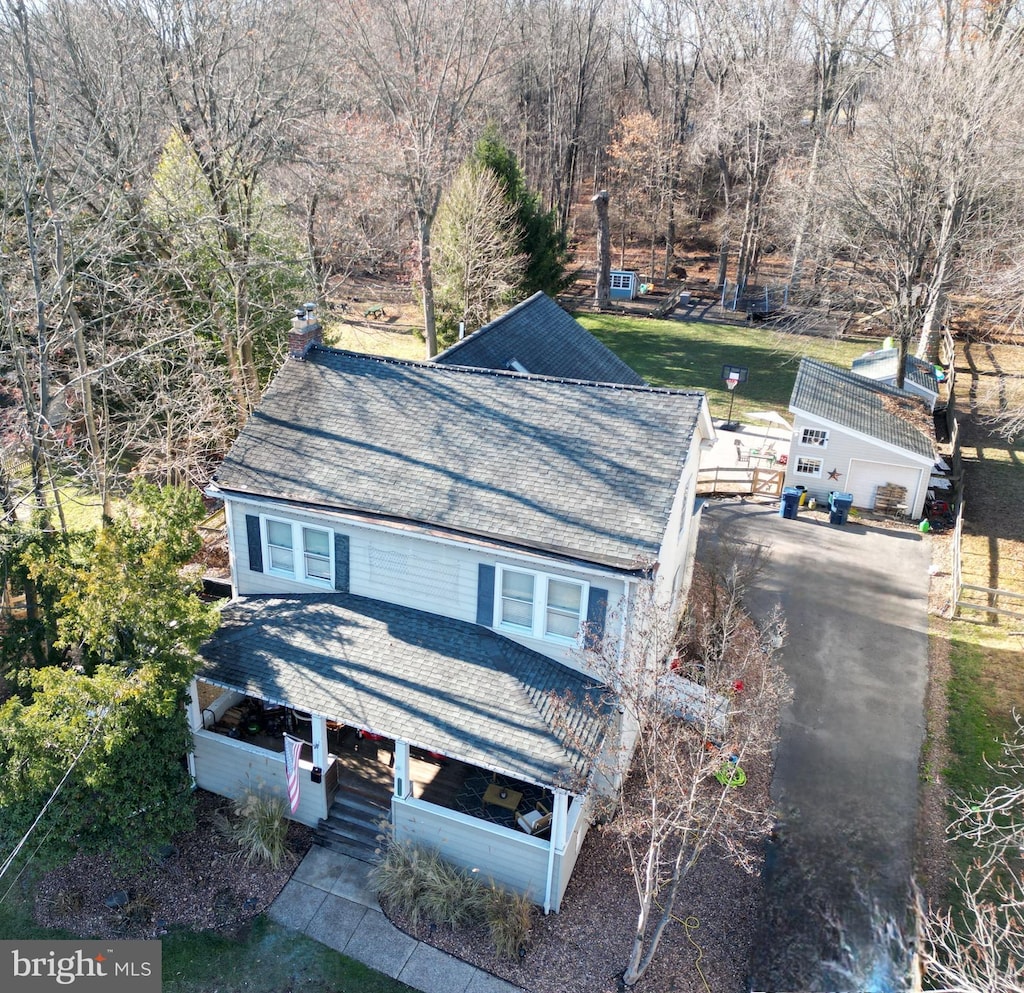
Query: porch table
[510, 801]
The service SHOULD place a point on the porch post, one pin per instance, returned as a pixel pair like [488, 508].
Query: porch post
[559, 820]
[195, 717]
[195, 720]
[402, 784]
[318, 730]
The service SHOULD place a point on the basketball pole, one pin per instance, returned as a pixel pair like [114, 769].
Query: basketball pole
[731, 383]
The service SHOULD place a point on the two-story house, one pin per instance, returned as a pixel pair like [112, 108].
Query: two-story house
[417, 550]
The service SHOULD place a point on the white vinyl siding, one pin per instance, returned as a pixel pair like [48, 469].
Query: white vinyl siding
[510, 858]
[548, 607]
[297, 551]
[229, 768]
[439, 577]
[858, 464]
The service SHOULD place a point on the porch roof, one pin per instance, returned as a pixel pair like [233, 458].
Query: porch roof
[441, 684]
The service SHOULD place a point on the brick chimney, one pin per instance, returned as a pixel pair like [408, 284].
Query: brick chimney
[305, 332]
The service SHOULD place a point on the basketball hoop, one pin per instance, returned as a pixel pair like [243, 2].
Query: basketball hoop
[732, 375]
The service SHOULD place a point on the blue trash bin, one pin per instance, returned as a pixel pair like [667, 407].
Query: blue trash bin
[839, 507]
[789, 503]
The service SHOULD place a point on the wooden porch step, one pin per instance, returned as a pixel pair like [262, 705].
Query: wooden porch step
[353, 825]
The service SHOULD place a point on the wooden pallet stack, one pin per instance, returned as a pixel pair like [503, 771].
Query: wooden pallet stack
[889, 498]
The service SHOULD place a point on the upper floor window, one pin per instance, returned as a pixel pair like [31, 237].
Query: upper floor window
[542, 606]
[814, 436]
[298, 551]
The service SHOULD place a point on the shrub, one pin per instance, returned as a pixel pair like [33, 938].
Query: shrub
[420, 885]
[509, 918]
[261, 830]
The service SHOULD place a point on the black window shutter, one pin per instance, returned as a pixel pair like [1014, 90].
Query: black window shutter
[341, 562]
[252, 533]
[485, 595]
[597, 610]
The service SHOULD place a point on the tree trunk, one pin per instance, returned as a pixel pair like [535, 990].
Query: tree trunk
[723, 262]
[427, 284]
[602, 290]
[796, 271]
[99, 461]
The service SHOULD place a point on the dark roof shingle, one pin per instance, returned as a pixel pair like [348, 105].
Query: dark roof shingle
[434, 682]
[578, 469]
[858, 403]
[546, 341]
[884, 364]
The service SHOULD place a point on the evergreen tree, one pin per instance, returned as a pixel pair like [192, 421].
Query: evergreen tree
[107, 706]
[541, 239]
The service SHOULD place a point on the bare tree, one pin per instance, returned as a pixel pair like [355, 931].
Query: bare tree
[239, 79]
[423, 65]
[978, 947]
[919, 194]
[694, 700]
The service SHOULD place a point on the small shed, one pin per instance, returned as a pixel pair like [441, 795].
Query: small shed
[624, 284]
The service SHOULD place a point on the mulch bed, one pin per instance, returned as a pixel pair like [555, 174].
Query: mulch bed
[199, 882]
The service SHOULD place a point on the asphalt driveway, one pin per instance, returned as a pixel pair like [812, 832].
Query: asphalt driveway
[846, 776]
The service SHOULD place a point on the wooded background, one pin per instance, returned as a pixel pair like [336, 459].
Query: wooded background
[178, 175]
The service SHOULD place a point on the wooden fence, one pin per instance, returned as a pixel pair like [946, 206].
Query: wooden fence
[967, 596]
[740, 481]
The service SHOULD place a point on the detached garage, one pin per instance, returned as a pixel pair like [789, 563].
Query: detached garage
[859, 436]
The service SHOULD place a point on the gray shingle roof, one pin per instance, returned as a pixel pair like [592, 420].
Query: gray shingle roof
[884, 364]
[857, 403]
[578, 469]
[434, 682]
[546, 340]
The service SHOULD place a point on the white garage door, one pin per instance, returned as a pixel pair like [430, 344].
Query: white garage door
[865, 478]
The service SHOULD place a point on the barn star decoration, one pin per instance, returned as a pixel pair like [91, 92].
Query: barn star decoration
[834, 474]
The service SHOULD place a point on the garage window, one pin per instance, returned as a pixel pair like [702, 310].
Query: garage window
[808, 467]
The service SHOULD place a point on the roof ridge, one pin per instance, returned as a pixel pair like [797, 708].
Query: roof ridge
[490, 325]
[499, 373]
[874, 384]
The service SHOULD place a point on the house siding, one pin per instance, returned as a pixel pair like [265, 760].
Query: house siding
[580, 819]
[406, 569]
[846, 452]
[230, 768]
[511, 859]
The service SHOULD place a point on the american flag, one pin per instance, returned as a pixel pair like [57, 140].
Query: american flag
[292, 750]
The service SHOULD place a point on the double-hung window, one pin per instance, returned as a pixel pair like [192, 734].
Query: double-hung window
[298, 551]
[549, 607]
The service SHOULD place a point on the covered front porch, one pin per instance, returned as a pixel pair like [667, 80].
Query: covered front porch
[461, 784]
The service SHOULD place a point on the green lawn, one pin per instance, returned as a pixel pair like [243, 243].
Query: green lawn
[690, 355]
[271, 959]
[266, 959]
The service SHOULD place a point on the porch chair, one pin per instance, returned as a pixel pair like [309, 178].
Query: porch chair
[534, 821]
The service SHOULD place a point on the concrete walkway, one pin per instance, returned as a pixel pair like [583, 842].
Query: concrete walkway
[329, 898]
